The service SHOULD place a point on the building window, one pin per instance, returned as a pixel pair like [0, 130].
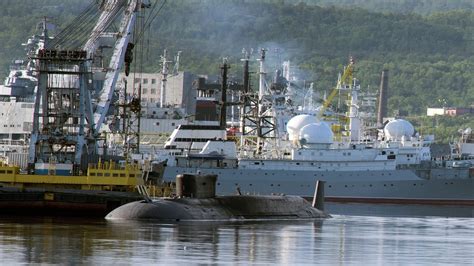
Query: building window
[144, 90]
[137, 80]
[145, 81]
[153, 91]
[153, 81]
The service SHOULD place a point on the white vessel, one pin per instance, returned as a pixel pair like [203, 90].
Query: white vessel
[357, 174]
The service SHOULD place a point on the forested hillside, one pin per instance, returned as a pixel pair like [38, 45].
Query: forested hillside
[396, 6]
[430, 57]
[19, 18]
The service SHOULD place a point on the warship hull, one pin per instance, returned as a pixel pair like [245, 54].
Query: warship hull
[401, 186]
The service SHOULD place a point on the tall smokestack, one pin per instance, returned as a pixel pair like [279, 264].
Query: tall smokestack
[246, 74]
[382, 108]
[223, 111]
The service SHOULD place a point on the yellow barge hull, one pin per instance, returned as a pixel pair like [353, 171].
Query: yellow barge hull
[62, 202]
[80, 182]
[102, 189]
[100, 176]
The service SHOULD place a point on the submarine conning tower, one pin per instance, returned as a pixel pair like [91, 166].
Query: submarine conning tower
[196, 186]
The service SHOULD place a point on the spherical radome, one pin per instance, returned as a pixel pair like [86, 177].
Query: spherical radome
[295, 124]
[316, 133]
[398, 128]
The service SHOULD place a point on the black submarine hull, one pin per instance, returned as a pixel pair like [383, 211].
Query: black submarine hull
[218, 208]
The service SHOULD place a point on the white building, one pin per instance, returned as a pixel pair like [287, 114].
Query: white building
[179, 91]
[435, 111]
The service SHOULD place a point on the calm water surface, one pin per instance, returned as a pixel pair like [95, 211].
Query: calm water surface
[339, 240]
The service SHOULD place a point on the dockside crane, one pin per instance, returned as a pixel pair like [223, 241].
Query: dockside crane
[75, 93]
[110, 10]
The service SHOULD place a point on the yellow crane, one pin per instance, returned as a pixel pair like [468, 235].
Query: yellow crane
[343, 82]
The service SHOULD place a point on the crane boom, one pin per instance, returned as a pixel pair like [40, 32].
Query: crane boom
[110, 9]
[346, 79]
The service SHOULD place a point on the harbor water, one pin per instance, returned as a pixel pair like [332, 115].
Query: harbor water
[342, 239]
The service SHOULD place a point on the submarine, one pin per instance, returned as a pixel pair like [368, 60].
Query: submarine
[196, 200]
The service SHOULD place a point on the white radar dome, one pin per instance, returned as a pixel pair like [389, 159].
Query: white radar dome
[295, 124]
[316, 133]
[398, 128]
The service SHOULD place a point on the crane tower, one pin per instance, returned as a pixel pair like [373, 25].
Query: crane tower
[74, 94]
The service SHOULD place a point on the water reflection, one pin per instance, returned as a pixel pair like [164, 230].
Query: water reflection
[339, 240]
[399, 210]
[209, 242]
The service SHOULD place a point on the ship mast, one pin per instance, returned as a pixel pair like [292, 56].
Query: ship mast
[261, 82]
[354, 119]
[164, 73]
[249, 107]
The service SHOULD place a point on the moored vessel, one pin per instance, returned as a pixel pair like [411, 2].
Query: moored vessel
[196, 201]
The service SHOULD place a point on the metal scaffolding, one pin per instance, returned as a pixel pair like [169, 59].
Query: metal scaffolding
[63, 129]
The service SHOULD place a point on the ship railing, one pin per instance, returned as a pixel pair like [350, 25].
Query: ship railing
[13, 142]
[244, 155]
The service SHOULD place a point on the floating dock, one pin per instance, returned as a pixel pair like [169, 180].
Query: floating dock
[104, 187]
